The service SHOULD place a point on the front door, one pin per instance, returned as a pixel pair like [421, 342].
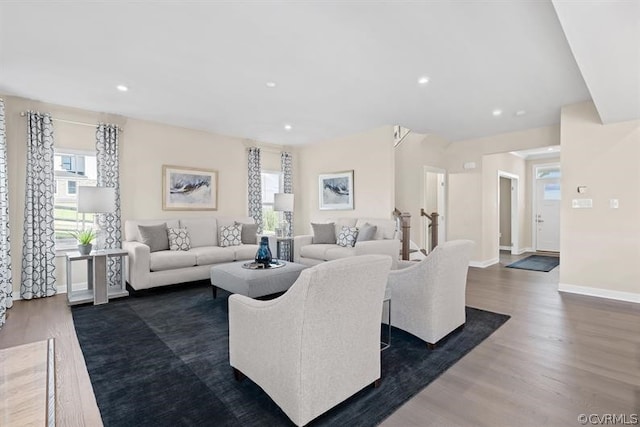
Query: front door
[548, 215]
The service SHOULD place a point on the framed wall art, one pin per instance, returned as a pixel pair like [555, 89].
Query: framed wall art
[185, 188]
[336, 190]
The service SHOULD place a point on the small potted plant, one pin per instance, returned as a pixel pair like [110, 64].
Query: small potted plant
[84, 238]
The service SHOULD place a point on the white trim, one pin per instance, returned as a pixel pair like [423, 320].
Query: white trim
[523, 250]
[505, 248]
[484, 264]
[600, 292]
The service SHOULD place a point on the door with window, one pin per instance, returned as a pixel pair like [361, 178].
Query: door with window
[547, 214]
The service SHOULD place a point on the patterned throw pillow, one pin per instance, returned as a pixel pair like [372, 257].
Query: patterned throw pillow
[230, 235]
[347, 236]
[179, 239]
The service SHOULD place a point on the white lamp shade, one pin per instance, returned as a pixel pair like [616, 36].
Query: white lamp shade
[96, 199]
[283, 202]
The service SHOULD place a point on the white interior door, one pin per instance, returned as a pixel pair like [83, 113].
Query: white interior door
[548, 215]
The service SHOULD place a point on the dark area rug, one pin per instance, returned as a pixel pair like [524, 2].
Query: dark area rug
[162, 359]
[536, 263]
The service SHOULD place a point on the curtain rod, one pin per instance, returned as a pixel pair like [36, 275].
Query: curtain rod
[23, 114]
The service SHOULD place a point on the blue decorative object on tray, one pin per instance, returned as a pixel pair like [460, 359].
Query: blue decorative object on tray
[263, 256]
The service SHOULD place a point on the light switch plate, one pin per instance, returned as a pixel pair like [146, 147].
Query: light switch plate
[613, 203]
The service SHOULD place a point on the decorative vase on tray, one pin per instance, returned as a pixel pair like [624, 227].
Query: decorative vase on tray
[263, 256]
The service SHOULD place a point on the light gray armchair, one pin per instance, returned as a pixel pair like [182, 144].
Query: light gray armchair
[318, 343]
[428, 297]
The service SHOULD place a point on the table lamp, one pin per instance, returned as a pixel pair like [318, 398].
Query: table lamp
[283, 202]
[96, 200]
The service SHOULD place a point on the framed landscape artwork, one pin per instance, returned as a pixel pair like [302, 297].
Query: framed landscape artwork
[336, 190]
[186, 188]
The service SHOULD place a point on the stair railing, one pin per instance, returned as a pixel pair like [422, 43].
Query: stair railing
[434, 226]
[405, 225]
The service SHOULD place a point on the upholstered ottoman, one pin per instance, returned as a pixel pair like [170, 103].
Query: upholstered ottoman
[234, 278]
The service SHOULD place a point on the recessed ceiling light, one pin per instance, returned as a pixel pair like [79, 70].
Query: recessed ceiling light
[423, 80]
[520, 113]
[288, 127]
[122, 88]
[497, 112]
[271, 84]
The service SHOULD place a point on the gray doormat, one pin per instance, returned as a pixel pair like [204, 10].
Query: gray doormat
[536, 263]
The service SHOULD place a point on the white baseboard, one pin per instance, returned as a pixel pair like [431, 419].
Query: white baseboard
[484, 264]
[505, 248]
[523, 250]
[599, 292]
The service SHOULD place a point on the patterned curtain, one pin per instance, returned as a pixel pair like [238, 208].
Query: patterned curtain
[255, 186]
[108, 165]
[38, 247]
[286, 160]
[6, 285]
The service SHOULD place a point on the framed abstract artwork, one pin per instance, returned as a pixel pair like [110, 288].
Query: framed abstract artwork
[186, 188]
[336, 190]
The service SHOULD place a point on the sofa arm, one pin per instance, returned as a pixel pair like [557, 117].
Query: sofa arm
[139, 263]
[389, 247]
[298, 243]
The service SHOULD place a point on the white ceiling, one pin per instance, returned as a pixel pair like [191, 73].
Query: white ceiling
[340, 67]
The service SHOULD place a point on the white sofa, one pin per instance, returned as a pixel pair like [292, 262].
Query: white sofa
[385, 242]
[151, 269]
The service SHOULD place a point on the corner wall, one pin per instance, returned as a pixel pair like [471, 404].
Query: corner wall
[600, 246]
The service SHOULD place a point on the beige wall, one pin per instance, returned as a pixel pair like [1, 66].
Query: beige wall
[411, 156]
[600, 246]
[369, 155]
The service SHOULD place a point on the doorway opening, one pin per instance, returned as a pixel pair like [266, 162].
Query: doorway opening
[434, 200]
[509, 231]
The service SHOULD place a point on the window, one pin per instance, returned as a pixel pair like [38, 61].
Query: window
[71, 170]
[71, 187]
[271, 184]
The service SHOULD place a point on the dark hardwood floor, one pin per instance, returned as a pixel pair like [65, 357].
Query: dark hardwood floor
[559, 356]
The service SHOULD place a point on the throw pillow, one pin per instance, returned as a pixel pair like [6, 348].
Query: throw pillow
[230, 235]
[347, 236]
[154, 236]
[249, 232]
[179, 239]
[367, 232]
[324, 233]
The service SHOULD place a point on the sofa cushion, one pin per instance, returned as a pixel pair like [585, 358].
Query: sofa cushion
[203, 231]
[154, 236]
[324, 233]
[347, 236]
[168, 260]
[245, 252]
[131, 232]
[206, 255]
[366, 232]
[339, 252]
[386, 227]
[230, 235]
[316, 251]
[249, 232]
[178, 239]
